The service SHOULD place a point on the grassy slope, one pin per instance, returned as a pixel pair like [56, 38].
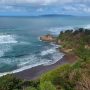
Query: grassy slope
[70, 77]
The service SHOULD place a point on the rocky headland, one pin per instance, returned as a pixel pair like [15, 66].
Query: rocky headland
[48, 38]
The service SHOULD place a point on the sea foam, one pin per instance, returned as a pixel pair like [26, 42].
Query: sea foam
[49, 51]
[57, 30]
[87, 26]
[33, 60]
[26, 63]
[7, 39]
[6, 42]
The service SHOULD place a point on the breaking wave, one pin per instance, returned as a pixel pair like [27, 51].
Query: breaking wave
[49, 51]
[7, 39]
[6, 42]
[57, 30]
[34, 60]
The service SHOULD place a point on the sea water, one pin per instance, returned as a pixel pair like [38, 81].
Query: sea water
[20, 47]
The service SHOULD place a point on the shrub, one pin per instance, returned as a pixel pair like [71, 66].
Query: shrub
[9, 82]
[51, 75]
[30, 88]
[47, 86]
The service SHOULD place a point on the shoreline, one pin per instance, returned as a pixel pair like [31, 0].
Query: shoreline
[15, 72]
[35, 72]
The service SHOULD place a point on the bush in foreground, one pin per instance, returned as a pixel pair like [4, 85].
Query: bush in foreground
[9, 82]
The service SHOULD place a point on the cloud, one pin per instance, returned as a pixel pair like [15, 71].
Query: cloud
[79, 8]
[45, 6]
[43, 2]
[39, 10]
[69, 8]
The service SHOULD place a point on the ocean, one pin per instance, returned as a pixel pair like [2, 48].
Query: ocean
[20, 47]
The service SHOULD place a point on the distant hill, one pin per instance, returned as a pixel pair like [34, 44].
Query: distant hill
[56, 15]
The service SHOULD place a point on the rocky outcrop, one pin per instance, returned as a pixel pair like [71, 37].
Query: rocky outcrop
[48, 38]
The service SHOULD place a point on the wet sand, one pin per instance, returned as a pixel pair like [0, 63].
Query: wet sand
[36, 72]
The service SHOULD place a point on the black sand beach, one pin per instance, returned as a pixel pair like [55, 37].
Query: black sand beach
[36, 72]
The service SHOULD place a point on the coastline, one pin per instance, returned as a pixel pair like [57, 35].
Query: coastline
[36, 72]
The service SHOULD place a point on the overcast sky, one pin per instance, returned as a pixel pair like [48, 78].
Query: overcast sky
[39, 7]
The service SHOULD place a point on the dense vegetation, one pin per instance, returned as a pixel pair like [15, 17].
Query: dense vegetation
[77, 42]
[74, 76]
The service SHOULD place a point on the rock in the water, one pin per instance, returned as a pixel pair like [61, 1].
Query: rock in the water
[48, 38]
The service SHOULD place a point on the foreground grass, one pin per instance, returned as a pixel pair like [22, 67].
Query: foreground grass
[70, 77]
